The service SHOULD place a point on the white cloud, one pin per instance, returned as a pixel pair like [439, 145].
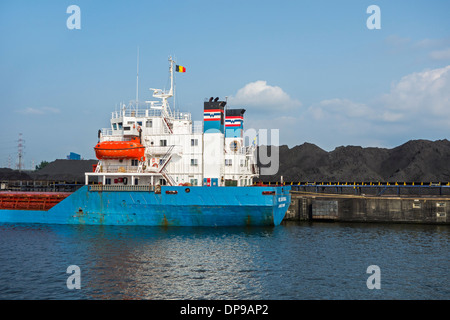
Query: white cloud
[38, 111]
[426, 92]
[347, 109]
[30, 111]
[389, 116]
[260, 95]
[50, 110]
[440, 54]
[417, 106]
[341, 107]
[417, 100]
[432, 43]
[397, 44]
[434, 49]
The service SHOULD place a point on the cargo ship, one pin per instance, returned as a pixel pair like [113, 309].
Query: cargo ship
[157, 167]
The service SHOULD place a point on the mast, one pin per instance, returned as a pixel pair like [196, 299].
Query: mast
[171, 75]
[163, 95]
[137, 77]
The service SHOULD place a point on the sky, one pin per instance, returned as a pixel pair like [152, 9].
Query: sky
[313, 70]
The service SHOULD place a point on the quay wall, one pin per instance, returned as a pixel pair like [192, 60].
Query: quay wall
[360, 208]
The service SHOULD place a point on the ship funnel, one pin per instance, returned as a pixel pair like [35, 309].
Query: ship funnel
[234, 123]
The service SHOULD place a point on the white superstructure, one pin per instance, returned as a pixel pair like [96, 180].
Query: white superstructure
[178, 151]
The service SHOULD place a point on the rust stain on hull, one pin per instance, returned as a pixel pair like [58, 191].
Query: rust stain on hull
[165, 222]
[248, 221]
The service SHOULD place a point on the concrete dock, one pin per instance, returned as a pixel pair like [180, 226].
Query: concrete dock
[310, 206]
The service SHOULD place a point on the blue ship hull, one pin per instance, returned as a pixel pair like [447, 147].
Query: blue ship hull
[174, 206]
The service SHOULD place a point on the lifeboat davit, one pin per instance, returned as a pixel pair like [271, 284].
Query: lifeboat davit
[120, 150]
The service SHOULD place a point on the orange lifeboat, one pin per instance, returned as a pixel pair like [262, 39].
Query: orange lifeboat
[120, 149]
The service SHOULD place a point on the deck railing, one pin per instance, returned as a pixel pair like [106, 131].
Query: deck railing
[149, 112]
[102, 187]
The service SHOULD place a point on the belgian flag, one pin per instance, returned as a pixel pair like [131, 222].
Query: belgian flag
[180, 69]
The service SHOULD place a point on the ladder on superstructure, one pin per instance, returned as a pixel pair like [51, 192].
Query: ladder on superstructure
[166, 122]
[164, 161]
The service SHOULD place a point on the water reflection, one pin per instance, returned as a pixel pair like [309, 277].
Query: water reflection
[180, 263]
[291, 261]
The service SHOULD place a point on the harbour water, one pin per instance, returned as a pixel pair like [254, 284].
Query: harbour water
[293, 261]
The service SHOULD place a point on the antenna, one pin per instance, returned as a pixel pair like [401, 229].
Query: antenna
[137, 77]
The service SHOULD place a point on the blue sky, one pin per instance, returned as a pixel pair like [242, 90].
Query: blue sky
[311, 69]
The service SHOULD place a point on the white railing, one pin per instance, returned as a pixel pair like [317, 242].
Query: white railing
[107, 132]
[178, 115]
[113, 168]
[149, 112]
[102, 187]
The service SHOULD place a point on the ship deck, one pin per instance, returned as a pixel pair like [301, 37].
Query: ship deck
[17, 200]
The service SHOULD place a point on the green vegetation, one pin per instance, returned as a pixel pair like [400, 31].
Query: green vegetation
[42, 165]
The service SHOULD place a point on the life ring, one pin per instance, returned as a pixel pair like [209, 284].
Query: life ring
[125, 180]
[155, 163]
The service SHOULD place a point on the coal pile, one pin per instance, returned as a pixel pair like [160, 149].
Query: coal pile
[64, 170]
[10, 174]
[414, 161]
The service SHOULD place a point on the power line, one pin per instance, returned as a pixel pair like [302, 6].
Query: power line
[20, 147]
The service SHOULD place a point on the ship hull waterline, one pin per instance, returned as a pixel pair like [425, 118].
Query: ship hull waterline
[174, 206]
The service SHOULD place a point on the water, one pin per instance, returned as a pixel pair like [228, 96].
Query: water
[293, 261]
